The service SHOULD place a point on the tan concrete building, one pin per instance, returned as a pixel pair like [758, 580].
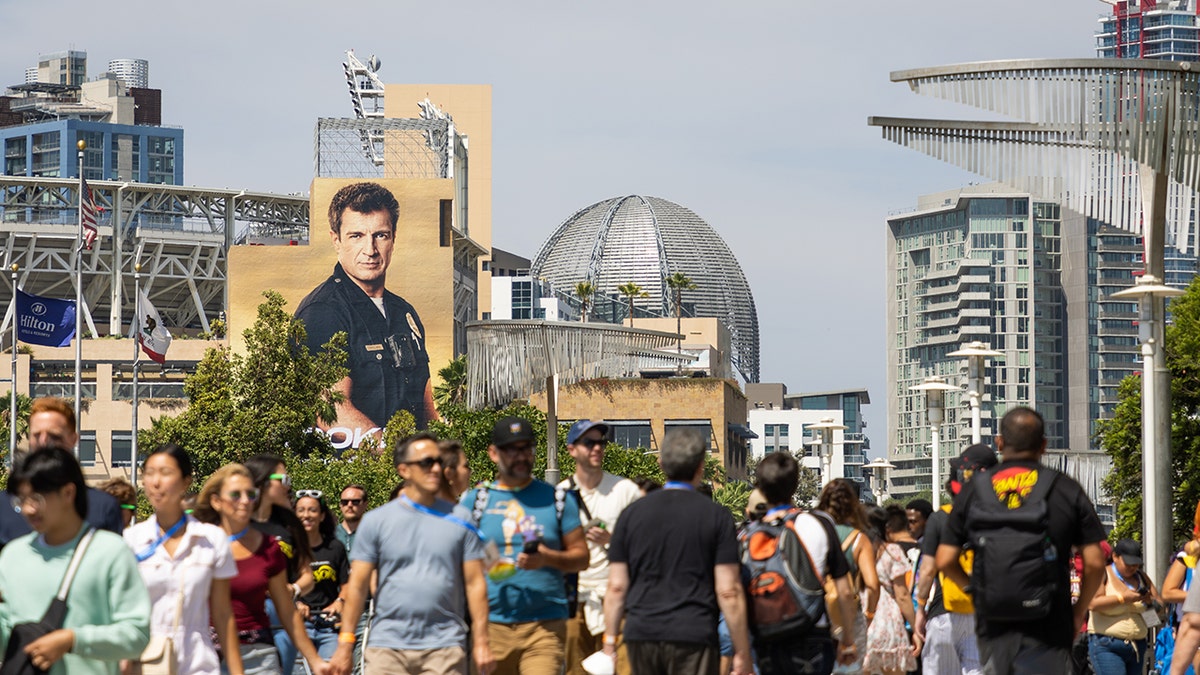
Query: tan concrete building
[105, 442]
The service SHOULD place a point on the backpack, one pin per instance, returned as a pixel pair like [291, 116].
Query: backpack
[570, 581]
[849, 537]
[1016, 568]
[785, 592]
[954, 598]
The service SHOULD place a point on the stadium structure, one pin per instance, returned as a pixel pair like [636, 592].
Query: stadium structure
[644, 240]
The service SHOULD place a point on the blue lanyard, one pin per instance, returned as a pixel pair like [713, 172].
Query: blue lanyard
[678, 485]
[145, 555]
[777, 509]
[444, 516]
[1125, 581]
[239, 535]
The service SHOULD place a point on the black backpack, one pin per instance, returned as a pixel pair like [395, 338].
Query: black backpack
[785, 595]
[1016, 572]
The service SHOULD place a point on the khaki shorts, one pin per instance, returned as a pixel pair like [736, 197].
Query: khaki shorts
[450, 660]
[532, 647]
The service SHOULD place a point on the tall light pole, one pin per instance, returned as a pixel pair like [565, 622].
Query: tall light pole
[975, 353]
[879, 478]
[935, 389]
[825, 429]
[1149, 291]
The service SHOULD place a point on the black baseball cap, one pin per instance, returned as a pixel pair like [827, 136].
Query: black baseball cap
[978, 457]
[509, 430]
[1129, 550]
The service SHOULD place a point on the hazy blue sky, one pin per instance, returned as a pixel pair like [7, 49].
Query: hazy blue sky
[752, 114]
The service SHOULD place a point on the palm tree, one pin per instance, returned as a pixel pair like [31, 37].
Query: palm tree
[586, 290]
[678, 283]
[631, 291]
[453, 389]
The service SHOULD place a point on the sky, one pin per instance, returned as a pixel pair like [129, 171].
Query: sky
[751, 114]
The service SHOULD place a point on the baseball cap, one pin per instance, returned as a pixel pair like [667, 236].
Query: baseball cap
[1129, 550]
[509, 430]
[582, 427]
[975, 458]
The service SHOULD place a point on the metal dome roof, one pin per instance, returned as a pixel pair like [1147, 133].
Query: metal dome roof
[644, 240]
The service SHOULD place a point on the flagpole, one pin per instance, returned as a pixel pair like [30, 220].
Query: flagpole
[79, 304]
[12, 396]
[137, 356]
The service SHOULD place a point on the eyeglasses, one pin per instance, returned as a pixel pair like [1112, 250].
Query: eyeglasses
[283, 478]
[517, 447]
[590, 442]
[348, 502]
[315, 494]
[250, 495]
[426, 463]
[36, 498]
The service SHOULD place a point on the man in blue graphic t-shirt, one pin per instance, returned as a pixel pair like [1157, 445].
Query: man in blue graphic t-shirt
[537, 536]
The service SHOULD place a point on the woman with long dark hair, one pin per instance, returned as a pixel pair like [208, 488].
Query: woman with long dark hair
[107, 608]
[229, 498]
[889, 649]
[840, 500]
[322, 607]
[187, 567]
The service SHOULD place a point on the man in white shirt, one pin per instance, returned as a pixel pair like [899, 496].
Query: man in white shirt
[602, 498]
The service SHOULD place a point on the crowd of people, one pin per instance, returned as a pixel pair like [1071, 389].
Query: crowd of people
[598, 574]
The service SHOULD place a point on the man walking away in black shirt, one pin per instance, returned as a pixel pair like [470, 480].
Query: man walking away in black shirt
[673, 568]
[1039, 645]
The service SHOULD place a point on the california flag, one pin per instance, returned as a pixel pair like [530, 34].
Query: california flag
[152, 334]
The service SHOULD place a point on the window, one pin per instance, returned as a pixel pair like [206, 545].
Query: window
[87, 448]
[633, 434]
[122, 449]
[702, 427]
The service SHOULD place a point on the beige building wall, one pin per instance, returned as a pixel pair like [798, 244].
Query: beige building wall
[103, 361]
[660, 401]
[471, 107]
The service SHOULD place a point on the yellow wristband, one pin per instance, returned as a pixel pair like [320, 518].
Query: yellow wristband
[345, 638]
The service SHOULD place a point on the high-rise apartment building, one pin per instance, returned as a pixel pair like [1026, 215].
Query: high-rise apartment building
[1167, 30]
[982, 263]
[69, 67]
[135, 73]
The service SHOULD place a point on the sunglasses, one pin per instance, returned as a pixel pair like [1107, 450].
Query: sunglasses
[283, 478]
[315, 494]
[426, 463]
[590, 442]
[349, 502]
[250, 495]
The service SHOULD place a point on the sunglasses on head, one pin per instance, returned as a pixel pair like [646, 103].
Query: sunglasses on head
[315, 494]
[283, 478]
[426, 463]
[250, 495]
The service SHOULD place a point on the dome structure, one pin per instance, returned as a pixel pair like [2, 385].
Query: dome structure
[644, 240]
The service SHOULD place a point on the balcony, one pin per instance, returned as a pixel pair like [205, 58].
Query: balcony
[854, 459]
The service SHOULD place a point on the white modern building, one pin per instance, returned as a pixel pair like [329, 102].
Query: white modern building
[782, 422]
[133, 72]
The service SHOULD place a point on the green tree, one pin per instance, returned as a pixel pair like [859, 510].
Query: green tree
[268, 399]
[453, 388]
[585, 291]
[631, 291]
[678, 283]
[23, 406]
[1121, 436]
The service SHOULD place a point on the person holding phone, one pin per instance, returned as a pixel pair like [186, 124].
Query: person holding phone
[1122, 613]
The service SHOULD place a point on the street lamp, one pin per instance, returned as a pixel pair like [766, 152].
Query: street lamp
[935, 389]
[1149, 291]
[825, 429]
[879, 478]
[975, 353]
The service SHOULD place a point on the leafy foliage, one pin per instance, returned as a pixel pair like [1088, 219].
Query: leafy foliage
[453, 388]
[585, 290]
[23, 407]
[1121, 436]
[631, 291]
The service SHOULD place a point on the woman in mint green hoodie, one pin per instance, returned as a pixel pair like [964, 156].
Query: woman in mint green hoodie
[108, 608]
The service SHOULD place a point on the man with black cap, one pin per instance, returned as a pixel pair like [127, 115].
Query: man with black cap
[602, 497]
[1024, 622]
[538, 537]
[947, 629]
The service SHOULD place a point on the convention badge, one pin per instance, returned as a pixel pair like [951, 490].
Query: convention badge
[1151, 618]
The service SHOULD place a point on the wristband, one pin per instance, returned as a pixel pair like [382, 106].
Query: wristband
[610, 639]
[347, 638]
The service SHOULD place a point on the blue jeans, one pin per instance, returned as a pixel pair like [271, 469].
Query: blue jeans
[283, 643]
[1112, 656]
[325, 639]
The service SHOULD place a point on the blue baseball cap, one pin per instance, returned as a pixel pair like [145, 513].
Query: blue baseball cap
[582, 427]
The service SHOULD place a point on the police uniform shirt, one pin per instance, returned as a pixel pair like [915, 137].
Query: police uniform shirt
[387, 357]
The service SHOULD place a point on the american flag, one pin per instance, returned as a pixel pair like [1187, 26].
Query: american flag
[88, 213]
